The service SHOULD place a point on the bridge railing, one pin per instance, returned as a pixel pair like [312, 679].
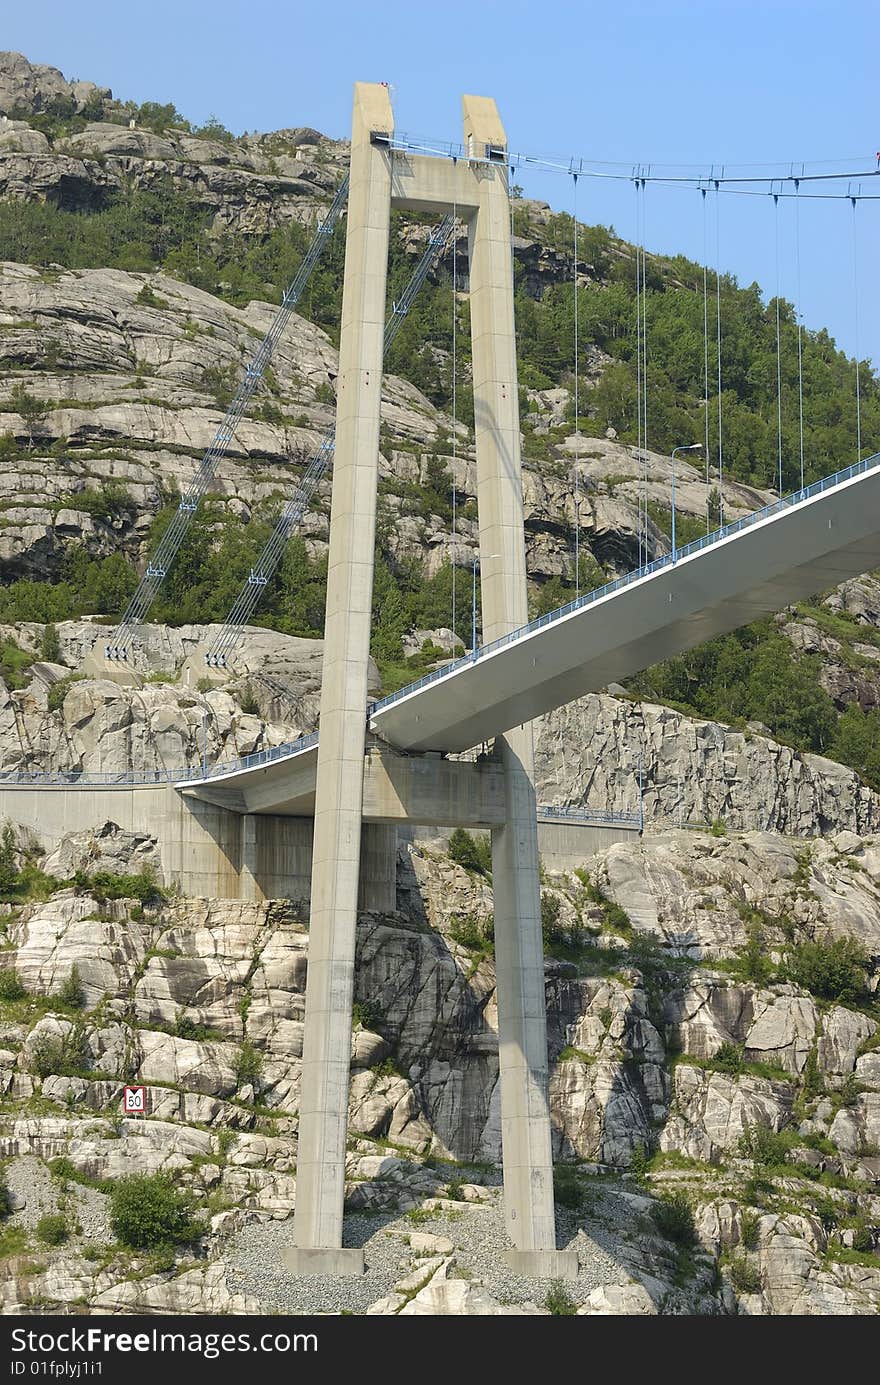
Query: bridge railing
[667, 561]
[185, 774]
[598, 817]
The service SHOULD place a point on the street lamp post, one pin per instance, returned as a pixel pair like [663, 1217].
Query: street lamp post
[690, 447]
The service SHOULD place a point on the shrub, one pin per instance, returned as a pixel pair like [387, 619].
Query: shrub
[52, 1229]
[366, 1013]
[104, 885]
[148, 1210]
[10, 985]
[849, 1090]
[763, 1146]
[247, 701]
[58, 691]
[470, 931]
[752, 962]
[639, 1161]
[50, 645]
[729, 1058]
[674, 1219]
[248, 1065]
[863, 1235]
[750, 1232]
[568, 1190]
[553, 930]
[149, 299]
[72, 994]
[63, 1057]
[559, 1301]
[454, 1190]
[831, 971]
[744, 1276]
[473, 853]
[718, 828]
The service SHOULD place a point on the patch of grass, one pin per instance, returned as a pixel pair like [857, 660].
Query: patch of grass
[105, 885]
[420, 1215]
[14, 663]
[13, 1241]
[570, 1054]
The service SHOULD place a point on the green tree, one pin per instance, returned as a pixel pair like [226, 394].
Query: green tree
[32, 410]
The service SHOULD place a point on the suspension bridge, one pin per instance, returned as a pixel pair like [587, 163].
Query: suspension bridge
[376, 766]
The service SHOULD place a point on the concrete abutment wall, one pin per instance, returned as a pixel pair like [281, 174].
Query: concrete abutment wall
[206, 851]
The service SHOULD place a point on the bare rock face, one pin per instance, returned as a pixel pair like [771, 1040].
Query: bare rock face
[203, 1290]
[32, 87]
[677, 885]
[163, 725]
[714, 1111]
[694, 771]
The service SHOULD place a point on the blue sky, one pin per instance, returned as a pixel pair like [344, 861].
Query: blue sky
[687, 82]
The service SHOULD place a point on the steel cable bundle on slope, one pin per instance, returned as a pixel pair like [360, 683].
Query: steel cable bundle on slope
[248, 598]
[173, 537]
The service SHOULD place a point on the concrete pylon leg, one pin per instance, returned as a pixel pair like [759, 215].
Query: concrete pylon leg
[247, 878]
[323, 1108]
[522, 1022]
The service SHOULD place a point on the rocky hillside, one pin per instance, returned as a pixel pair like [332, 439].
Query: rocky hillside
[715, 1091]
[712, 994]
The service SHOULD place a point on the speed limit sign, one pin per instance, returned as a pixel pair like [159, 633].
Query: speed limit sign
[134, 1101]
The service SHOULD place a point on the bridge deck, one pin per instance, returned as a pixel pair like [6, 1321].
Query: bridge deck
[790, 551]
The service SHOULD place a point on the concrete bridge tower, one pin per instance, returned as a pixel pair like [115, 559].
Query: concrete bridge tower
[475, 187]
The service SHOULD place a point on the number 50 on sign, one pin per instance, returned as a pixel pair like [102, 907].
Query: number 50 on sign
[134, 1101]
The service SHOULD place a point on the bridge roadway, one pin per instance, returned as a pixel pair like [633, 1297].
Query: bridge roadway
[794, 548]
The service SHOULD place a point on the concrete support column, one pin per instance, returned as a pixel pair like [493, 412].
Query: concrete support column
[378, 885]
[247, 876]
[323, 1107]
[522, 1023]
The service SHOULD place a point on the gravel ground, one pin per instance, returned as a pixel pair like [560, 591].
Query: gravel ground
[253, 1257]
[28, 1178]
